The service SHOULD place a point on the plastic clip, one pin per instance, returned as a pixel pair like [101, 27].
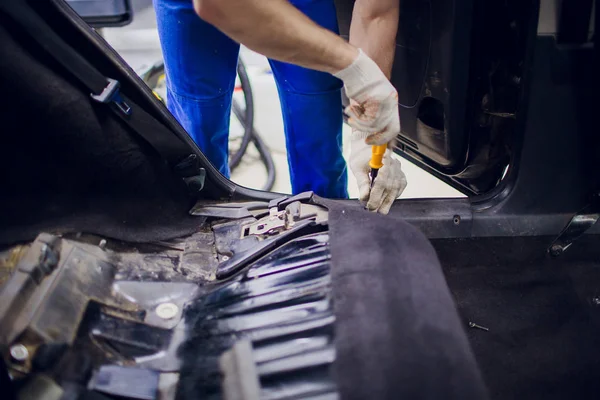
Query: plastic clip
[110, 94]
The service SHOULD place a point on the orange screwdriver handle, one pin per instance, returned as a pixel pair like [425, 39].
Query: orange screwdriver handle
[377, 153]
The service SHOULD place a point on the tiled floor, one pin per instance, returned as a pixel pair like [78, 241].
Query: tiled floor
[138, 44]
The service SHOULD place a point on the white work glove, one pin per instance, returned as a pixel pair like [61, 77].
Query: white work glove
[373, 100]
[390, 181]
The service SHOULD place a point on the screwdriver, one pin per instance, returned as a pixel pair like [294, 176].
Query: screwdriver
[377, 153]
[376, 162]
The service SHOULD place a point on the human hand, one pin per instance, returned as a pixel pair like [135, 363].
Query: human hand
[373, 101]
[390, 182]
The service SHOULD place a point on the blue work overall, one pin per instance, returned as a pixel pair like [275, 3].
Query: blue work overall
[201, 63]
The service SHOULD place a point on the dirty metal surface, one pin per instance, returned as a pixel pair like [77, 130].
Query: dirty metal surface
[191, 259]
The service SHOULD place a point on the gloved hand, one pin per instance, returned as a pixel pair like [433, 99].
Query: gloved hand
[373, 100]
[390, 182]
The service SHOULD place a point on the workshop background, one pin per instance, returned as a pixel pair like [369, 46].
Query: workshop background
[139, 45]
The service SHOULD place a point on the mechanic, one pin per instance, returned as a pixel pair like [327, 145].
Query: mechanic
[306, 59]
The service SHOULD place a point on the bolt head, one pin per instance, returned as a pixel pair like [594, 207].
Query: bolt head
[167, 310]
[556, 250]
[19, 353]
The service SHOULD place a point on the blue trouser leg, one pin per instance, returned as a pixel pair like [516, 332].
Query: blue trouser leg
[312, 114]
[200, 64]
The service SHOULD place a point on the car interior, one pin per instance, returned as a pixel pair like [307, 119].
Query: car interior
[130, 268]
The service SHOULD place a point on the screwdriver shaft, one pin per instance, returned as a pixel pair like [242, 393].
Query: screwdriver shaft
[374, 172]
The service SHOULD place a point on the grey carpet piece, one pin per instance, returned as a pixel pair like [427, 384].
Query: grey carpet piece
[398, 334]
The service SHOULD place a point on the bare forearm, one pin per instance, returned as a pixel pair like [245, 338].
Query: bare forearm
[373, 29]
[278, 30]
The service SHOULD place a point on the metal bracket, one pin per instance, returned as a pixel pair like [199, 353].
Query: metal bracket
[577, 227]
[273, 223]
[278, 221]
[255, 209]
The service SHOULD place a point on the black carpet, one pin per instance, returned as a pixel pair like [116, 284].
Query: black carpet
[68, 165]
[543, 314]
